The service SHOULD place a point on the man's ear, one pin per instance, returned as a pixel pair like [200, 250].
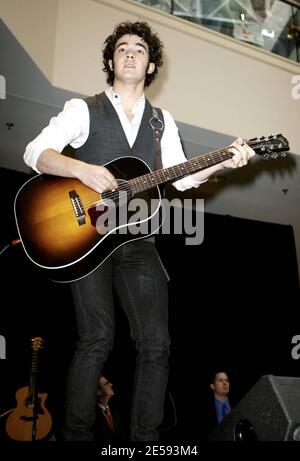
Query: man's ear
[151, 68]
[110, 63]
[212, 386]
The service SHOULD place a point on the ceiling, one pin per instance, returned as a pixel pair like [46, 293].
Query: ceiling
[264, 190]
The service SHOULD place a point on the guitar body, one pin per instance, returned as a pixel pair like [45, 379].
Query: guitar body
[20, 423]
[68, 243]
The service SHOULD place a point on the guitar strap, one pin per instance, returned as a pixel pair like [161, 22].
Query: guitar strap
[157, 126]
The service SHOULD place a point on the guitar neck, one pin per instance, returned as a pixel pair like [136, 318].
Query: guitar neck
[32, 385]
[33, 372]
[202, 162]
[262, 146]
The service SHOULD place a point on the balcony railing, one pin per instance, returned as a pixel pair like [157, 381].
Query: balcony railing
[270, 24]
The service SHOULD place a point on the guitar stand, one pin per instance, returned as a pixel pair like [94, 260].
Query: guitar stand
[33, 432]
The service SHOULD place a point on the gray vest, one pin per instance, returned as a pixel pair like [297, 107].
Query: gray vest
[107, 140]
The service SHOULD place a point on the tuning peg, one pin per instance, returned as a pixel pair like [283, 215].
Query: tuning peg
[274, 155]
[266, 156]
[283, 154]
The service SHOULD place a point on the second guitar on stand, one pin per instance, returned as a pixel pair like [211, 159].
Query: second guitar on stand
[30, 420]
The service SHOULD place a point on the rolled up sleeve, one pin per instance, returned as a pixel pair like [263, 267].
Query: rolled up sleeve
[71, 126]
[172, 152]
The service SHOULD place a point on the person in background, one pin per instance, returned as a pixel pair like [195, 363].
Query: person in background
[220, 386]
[108, 426]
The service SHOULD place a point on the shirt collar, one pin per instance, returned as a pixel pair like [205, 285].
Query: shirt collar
[220, 404]
[103, 407]
[116, 99]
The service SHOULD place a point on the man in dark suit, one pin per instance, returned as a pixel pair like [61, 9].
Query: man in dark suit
[108, 426]
[220, 387]
[219, 406]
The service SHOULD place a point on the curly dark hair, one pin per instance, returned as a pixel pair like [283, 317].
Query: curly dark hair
[143, 30]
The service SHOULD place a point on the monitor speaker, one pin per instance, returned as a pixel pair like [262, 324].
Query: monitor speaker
[269, 411]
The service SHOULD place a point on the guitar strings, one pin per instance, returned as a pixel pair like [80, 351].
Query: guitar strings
[92, 197]
[113, 195]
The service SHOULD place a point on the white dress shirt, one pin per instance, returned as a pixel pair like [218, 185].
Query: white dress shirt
[72, 125]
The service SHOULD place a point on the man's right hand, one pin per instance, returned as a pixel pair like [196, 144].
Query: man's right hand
[94, 176]
[97, 177]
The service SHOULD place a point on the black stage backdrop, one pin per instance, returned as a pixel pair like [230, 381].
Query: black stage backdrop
[234, 304]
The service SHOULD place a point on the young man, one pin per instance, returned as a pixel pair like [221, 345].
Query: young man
[117, 123]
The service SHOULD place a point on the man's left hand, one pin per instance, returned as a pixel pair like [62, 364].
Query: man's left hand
[242, 154]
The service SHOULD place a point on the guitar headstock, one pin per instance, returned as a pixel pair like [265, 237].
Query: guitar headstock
[37, 343]
[270, 145]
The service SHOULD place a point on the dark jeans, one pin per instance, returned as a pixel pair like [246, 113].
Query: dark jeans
[136, 274]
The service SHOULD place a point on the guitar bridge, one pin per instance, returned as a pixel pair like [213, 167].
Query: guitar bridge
[77, 207]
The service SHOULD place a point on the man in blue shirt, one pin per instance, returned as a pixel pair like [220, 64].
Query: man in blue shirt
[220, 386]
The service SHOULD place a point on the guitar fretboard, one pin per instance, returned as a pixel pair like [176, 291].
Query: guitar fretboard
[178, 171]
[34, 362]
[262, 145]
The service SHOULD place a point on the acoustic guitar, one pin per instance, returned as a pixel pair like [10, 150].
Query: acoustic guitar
[31, 420]
[68, 229]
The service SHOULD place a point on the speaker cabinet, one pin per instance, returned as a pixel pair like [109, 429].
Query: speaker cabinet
[269, 411]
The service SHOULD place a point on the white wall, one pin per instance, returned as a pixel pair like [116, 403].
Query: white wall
[208, 80]
[33, 22]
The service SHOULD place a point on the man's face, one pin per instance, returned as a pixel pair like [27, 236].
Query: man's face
[105, 388]
[221, 384]
[131, 59]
